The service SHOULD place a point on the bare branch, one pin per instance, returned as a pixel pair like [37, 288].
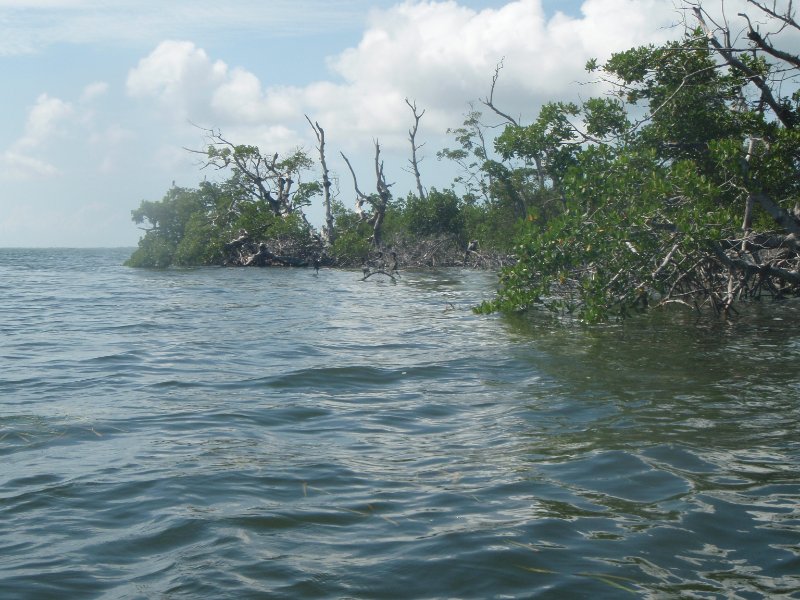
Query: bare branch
[412, 135]
[489, 100]
[326, 180]
[258, 176]
[360, 196]
[764, 45]
[752, 269]
[785, 117]
[781, 216]
[787, 17]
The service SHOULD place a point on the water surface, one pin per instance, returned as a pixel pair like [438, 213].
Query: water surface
[238, 433]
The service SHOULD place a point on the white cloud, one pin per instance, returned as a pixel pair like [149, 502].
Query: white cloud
[241, 99]
[179, 75]
[46, 4]
[93, 91]
[44, 120]
[29, 26]
[14, 165]
[191, 87]
[113, 135]
[443, 54]
[50, 122]
[439, 53]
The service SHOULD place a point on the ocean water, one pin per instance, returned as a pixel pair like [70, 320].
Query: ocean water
[271, 433]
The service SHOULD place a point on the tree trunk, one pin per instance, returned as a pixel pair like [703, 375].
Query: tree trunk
[328, 233]
[412, 135]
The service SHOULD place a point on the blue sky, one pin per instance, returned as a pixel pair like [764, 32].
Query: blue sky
[98, 96]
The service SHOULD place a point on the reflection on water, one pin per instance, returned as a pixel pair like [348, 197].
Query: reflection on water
[236, 433]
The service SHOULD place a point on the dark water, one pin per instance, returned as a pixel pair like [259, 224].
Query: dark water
[223, 433]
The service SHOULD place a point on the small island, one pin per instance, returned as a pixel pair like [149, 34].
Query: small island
[681, 186]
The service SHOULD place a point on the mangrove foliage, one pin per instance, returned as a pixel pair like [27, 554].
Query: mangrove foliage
[678, 186]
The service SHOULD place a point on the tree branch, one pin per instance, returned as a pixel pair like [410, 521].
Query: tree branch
[752, 269]
[787, 17]
[326, 181]
[412, 135]
[782, 217]
[360, 196]
[784, 116]
[764, 45]
[489, 101]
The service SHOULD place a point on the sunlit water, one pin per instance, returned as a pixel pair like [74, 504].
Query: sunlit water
[244, 433]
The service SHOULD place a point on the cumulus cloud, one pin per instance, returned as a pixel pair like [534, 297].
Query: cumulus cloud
[189, 86]
[188, 83]
[242, 99]
[444, 54]
[178, 74]
[49, 122]
[439, 53]
[44, 121]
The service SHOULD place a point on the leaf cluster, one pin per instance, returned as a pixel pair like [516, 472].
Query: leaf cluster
[655, 181]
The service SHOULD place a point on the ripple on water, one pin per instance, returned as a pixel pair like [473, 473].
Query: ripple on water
[620, 475]
[181, 434]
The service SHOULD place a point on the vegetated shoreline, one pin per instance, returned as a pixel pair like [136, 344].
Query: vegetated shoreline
[429, 252]
[679, 186]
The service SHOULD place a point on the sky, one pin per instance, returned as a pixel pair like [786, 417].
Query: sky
[101, 98]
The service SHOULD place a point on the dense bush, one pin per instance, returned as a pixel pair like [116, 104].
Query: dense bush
[683, 186]
[440, 212]
[691, 204]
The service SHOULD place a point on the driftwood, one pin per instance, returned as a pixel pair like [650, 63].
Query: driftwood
[244, 251]
[390, 275]
[444, 250]
[433, 252]
[380, 265]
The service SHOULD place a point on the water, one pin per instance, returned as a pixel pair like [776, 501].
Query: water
[244, 433]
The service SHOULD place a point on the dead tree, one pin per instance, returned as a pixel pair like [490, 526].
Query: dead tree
[754, 263]
[412, 137]
[785, 62]
[328, 231]
[732, 56]
[489, 100]
[538, 159]
[378, 201]
[266, 178]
